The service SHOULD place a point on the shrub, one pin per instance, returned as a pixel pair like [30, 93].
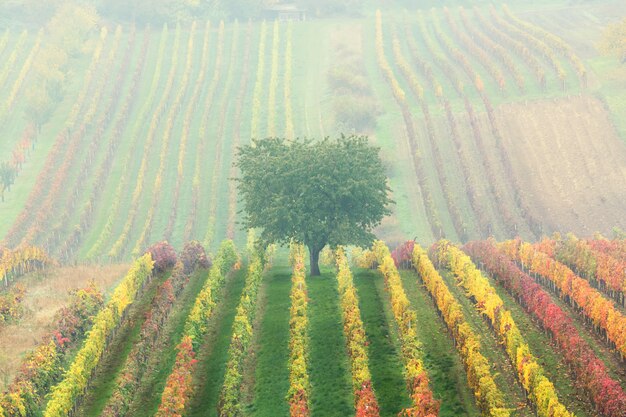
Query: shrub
[163, 255]
[194, 255]
[11, 304]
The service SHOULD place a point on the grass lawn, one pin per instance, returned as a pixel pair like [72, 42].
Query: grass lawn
[385, 363]
[213, 355]
[272, 374]
[329, 367]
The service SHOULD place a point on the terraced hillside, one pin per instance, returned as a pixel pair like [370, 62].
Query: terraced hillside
[489, 125]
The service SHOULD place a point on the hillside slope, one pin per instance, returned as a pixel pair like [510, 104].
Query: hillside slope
[489, 125]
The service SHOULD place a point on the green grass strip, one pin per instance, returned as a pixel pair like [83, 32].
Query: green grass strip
[212, 356]
[329, 369]
[384, 358]
[272, 374]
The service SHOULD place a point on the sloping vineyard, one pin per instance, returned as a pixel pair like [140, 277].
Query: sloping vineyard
[462, 79]
[494, 132]
[498, 342]
[467, 89]
[109, 171]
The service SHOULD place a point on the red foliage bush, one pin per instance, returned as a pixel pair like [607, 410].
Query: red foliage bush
[194, 255]
[163, 255]
[76, 318]
[179, 383]
[366, 405]
[299, 405]
[402, 254]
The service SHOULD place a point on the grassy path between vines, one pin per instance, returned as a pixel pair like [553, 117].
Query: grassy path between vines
[208, 376]
[329, 369]
[272, 347]
[385, 362]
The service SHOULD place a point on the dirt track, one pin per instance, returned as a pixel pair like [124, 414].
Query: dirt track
[570, 163]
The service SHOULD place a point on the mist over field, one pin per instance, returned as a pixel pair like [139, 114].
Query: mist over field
[133, 168]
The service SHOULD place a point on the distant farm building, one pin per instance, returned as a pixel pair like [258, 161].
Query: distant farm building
[284, 12]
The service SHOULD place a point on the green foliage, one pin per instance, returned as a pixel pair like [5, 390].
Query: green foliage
[315, 192]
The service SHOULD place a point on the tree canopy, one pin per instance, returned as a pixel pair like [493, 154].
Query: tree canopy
[614, 40]
[331, 191]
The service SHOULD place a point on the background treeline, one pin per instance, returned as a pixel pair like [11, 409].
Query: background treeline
[36, 13]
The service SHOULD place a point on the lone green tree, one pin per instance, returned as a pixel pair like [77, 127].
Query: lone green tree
[314, 192]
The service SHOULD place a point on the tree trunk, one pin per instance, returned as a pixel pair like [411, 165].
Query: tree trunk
[314, 256]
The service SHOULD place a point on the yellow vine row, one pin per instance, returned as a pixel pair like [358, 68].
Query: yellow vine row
[78, 132]
[230, 404]
[4, 40]
[190, 112]
[17, 84]
[20, 261]
[488, 396]
[8, 65]
[551, 39]
[64, 395]
[62, 138]
[365, 402]
[289, 129]
[178, 388]
[258, 86]
[175, 107]
[536, 44]
[271, 102]
[423, 402]
[91, 72]
[207, 106]
[400, 96]
[217, 163]
[530, 373]
[299, 384]
[593, 305]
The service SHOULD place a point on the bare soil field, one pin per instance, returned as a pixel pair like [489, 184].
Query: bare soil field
[570, 161]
